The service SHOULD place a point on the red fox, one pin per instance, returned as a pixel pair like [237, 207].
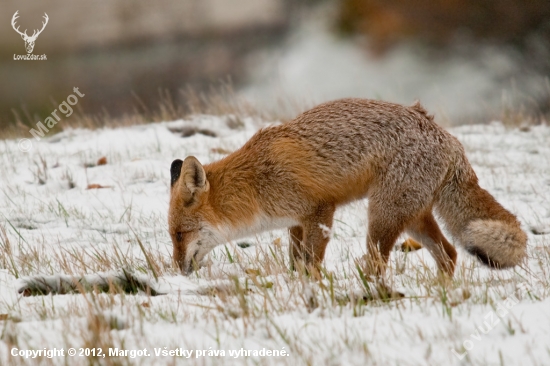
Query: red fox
[296, 174]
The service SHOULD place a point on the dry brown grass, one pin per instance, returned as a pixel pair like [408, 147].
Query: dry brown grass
[218, 100]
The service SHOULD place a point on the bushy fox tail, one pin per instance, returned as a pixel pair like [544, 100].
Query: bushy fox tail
[496, 243]
[477, 221]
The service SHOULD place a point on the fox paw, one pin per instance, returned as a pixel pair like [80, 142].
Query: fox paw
[410, 245]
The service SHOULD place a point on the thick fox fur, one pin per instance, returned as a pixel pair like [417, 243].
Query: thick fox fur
[296, 174]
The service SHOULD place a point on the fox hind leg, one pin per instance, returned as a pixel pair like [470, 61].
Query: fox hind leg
[386, 223]
[425, 230]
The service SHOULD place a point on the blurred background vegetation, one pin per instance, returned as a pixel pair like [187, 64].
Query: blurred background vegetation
[139, 61]
[441, 21]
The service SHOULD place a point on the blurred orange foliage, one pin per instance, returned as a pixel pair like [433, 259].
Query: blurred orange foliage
[438, 21]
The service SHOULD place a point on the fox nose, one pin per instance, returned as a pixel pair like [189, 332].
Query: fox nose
[185, 267]
[187, 270]
[188, 266]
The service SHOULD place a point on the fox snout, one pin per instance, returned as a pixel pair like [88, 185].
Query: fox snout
[189, 257]
[179, 253]
[187, 250]
[185, 267]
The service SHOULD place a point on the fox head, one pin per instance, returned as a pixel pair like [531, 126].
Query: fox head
[190, 216]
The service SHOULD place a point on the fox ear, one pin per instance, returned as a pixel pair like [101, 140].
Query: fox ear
[194, 175]
[175, 171]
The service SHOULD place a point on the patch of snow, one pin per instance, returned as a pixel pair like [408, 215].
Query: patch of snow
[46, 222]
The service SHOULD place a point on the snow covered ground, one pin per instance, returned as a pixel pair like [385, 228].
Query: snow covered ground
[245, 306]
